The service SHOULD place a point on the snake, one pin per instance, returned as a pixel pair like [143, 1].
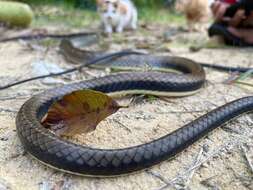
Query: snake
[156, 79]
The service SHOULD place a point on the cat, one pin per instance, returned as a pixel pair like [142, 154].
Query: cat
[117, 15]
[196, 12]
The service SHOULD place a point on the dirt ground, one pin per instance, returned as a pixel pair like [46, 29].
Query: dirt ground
[222, 160]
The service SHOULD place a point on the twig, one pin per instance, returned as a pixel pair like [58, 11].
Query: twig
[246, 75]
[122, 125]
[249, 162]
[14, 97]
[137, 99]
[159, 176]
[175, 112]
[231, 79]
[198, 159]
[190, 175]
[166, 99]
[91, 74]
[95, 60]
[244, 83]
[200, 163]
[190, 172]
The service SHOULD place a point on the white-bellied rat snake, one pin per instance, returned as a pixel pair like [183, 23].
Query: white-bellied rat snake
[81, 160]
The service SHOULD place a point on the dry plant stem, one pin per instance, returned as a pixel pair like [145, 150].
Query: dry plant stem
[249, 161]
[137, 100]
[159, 176]
[74, 69]
[199, 157]
[233, 143]
[244, 83]
[189, 176]
[122, 125]
[91, 73]
[14, 97]
[231, 79]
[187, 181]
[182, 112]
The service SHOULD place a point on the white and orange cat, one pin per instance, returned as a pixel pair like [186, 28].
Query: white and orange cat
[117, 15]
[195, 11]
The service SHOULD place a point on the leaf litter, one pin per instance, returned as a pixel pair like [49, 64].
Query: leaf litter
[79, 112]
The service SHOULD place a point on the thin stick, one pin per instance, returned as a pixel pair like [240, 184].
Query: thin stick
[175, 112]
[106, 57]
[244, 83]
[159, 176]
[249, 162]
[122, 125]
[171, 183]
[15, 97]
[198, 159]
[211, 155]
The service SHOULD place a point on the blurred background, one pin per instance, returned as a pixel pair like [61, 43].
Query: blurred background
[90, 4]
[81, 13]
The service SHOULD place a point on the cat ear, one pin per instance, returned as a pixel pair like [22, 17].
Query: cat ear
[122, 8]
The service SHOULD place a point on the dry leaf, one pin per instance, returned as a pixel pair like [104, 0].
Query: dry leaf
[79, 112]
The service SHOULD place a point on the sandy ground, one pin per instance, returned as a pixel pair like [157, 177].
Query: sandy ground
[219, 161]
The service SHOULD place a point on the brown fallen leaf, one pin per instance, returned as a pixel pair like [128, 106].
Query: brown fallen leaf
[79, 112]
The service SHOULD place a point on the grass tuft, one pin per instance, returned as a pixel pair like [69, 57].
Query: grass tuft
[62, 15]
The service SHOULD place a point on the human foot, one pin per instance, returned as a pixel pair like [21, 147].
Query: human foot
[245, 34]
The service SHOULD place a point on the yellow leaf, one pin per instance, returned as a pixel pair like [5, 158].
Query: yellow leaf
[79, 112]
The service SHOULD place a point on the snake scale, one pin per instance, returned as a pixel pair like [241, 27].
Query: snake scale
[81, 160]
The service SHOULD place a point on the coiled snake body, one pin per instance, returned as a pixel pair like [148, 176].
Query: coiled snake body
[82, 160]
